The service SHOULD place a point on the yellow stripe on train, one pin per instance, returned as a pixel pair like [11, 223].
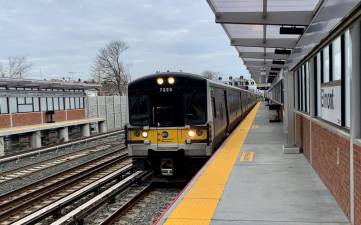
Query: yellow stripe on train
[168, 136]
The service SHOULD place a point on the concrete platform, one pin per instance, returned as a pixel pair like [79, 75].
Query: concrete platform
[47, 126]
[271, 188]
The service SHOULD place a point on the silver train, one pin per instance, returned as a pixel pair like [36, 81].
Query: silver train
[177, 120]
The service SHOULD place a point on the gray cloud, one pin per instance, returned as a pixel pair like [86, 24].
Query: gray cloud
[64, 35]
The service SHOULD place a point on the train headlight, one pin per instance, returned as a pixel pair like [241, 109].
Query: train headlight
[145, 134]
[199, 132]
[160, 81]
[191, 133]
[137, 133]
[171, 80]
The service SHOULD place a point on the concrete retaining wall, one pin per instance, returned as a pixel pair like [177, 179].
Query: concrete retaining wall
[112, 108]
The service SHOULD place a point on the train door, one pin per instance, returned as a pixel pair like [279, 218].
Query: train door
[226, 109]
[166, 119]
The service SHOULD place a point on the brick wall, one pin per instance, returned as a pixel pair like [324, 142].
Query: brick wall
[357, 175]
[57, 117]
[330, 158]
[306, 138]
[24, 119]
[5, 121]
[333, 171]
[77, 114]
[298, 130]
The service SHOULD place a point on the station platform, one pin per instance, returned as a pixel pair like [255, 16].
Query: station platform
[47, 126]
[250, 181]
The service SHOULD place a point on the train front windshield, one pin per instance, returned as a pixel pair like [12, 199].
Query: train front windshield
[171, 109]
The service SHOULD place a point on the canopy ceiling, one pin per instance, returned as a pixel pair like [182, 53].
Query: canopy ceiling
[265, 32]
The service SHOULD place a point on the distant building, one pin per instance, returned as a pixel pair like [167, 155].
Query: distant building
[241, 82]
[30, 109]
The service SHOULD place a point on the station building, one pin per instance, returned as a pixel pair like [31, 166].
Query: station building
[309, 51]
[32, 112]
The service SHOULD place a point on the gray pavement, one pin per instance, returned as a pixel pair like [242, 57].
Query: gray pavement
[275, 188]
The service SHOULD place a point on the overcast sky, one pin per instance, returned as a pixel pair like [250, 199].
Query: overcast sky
[62, 36]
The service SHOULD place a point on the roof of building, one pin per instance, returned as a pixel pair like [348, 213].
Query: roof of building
[33, 83]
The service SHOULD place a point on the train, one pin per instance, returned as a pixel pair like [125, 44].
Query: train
[177, 120]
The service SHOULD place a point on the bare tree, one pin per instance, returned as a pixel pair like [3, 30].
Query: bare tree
[109, 68]
[17, 67]
[211, 75]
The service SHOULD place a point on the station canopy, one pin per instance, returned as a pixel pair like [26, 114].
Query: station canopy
[264, 32]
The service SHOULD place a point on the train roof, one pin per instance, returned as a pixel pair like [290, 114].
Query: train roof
[175, 74]
[187, 75]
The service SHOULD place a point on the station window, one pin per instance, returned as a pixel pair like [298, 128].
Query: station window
[67, 103]
[4, 105]
[72, 103]
[82, 102]
[43, 104]
[49, 103]
[336, 59]
[325, 65]
[307, 72]
[24, 104]
[347, 68]
[332, 69]
[318, 83]
[61, 103]
[36, 104]
[56, 103]
[77, 103]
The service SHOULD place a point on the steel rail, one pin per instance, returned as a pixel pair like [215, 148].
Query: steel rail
[51, 202]
[117, 214]
[78, 214]
[57, 147]
[17, 199]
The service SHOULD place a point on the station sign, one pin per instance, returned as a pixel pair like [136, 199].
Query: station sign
[331, 102]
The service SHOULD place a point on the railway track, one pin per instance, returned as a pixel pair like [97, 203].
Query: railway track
[17, 156]
[140, 203]
[15, 198]
[49, 196]
[52, 162]
[120, 208]
[81, 212]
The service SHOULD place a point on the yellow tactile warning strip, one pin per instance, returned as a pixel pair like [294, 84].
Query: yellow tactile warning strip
[247, 156]
[198, 205]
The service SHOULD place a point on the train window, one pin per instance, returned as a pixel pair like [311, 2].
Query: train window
[165, 109]
[214, 107]
[195, 107]
[221, 111]
[139, 110]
